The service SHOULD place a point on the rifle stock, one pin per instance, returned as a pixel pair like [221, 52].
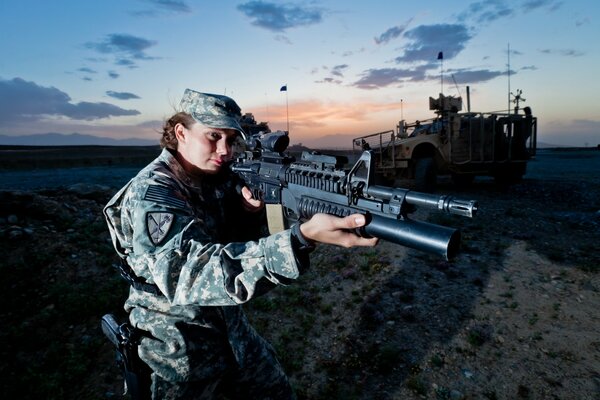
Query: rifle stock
[317, 183]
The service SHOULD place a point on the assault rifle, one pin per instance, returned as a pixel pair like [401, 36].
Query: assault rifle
[317, 183]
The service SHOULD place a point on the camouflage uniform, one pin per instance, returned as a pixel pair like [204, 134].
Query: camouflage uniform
[193, 239]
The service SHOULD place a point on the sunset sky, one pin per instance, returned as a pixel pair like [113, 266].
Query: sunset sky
[117, 68]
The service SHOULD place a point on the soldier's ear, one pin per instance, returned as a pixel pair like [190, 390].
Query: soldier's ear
[180, 132]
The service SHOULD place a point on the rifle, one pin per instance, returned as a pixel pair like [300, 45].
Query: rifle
[317, 183]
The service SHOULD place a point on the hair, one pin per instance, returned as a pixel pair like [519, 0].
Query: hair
[168, 139]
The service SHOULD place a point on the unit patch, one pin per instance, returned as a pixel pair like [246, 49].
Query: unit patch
[158, 224]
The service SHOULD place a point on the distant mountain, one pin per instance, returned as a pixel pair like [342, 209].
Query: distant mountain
[74, 139]
[336, 141]
[543, 145]
[344, 142]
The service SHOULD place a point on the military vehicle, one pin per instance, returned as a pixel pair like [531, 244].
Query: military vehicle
[460, 144]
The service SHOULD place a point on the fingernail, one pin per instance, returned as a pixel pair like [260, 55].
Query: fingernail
[359, 220]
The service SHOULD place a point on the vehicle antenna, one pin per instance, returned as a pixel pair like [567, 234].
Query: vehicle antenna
[457, 89]
[508, 74]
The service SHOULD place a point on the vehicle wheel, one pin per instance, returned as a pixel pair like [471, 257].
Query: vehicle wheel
[425, 174]
[463, 180]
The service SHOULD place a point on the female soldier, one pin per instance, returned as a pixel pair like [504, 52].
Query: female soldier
[203, 249]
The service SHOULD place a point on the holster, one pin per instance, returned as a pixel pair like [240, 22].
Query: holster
[126, 339]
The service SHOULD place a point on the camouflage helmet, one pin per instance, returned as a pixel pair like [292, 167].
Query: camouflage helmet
[212, 110]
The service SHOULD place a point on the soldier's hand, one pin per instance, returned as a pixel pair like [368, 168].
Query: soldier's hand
[330, 229]
[249, 202]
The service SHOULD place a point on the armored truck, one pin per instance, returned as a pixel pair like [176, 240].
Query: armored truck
[460, 144]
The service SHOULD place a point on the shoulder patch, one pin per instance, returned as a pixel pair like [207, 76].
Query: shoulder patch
[158, 225]
[163, 195]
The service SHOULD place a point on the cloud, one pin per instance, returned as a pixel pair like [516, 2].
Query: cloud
[338, 70]
[428, 40]
[462, 76]
[336, 73]
[283, 39]
[330, 80]
[164, 6]
[486, 11]
[563, 52]
[380, 77]
[124, 47]
[87, 70]
[551, 5]
[23, 101]
[122, 95]
[280, 17]
[113, 74]
[392, 33]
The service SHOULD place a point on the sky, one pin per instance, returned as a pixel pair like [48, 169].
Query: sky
[118, 68]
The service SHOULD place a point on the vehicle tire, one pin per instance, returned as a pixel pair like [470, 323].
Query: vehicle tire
[463, 180]
[425, 174]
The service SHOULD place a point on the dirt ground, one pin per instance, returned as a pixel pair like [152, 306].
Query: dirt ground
[513, 316]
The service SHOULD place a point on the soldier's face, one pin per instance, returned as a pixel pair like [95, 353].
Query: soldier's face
[204, 149]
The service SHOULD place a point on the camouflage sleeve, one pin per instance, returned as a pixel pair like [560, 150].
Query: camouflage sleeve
[172, 249]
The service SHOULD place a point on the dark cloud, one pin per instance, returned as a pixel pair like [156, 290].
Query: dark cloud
[392, 33]
[338, 70]
[335, 73]
[113, 74]
[280, 17]
[164, 6]
[125, 62]
[381, 77]
[87, 70]
[172, 5]
[122, 95]
[483, 12]
[464, 76]
[22, 101]
[486, 11]
[428, 40]
[378, 78]
[124, 47]
[563, 52]
[551, 5]
[330, 80]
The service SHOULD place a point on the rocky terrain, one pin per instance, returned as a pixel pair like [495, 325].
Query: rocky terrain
[514, 316]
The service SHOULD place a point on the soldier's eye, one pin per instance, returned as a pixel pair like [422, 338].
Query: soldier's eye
[214, 135]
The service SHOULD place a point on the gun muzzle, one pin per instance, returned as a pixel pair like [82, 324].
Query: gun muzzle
[465, 208]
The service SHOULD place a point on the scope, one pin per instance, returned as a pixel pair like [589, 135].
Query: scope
[276, 141]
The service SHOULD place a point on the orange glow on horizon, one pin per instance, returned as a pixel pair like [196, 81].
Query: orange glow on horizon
[312, 119]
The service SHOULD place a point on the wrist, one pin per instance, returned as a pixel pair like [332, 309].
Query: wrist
[303, 242]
